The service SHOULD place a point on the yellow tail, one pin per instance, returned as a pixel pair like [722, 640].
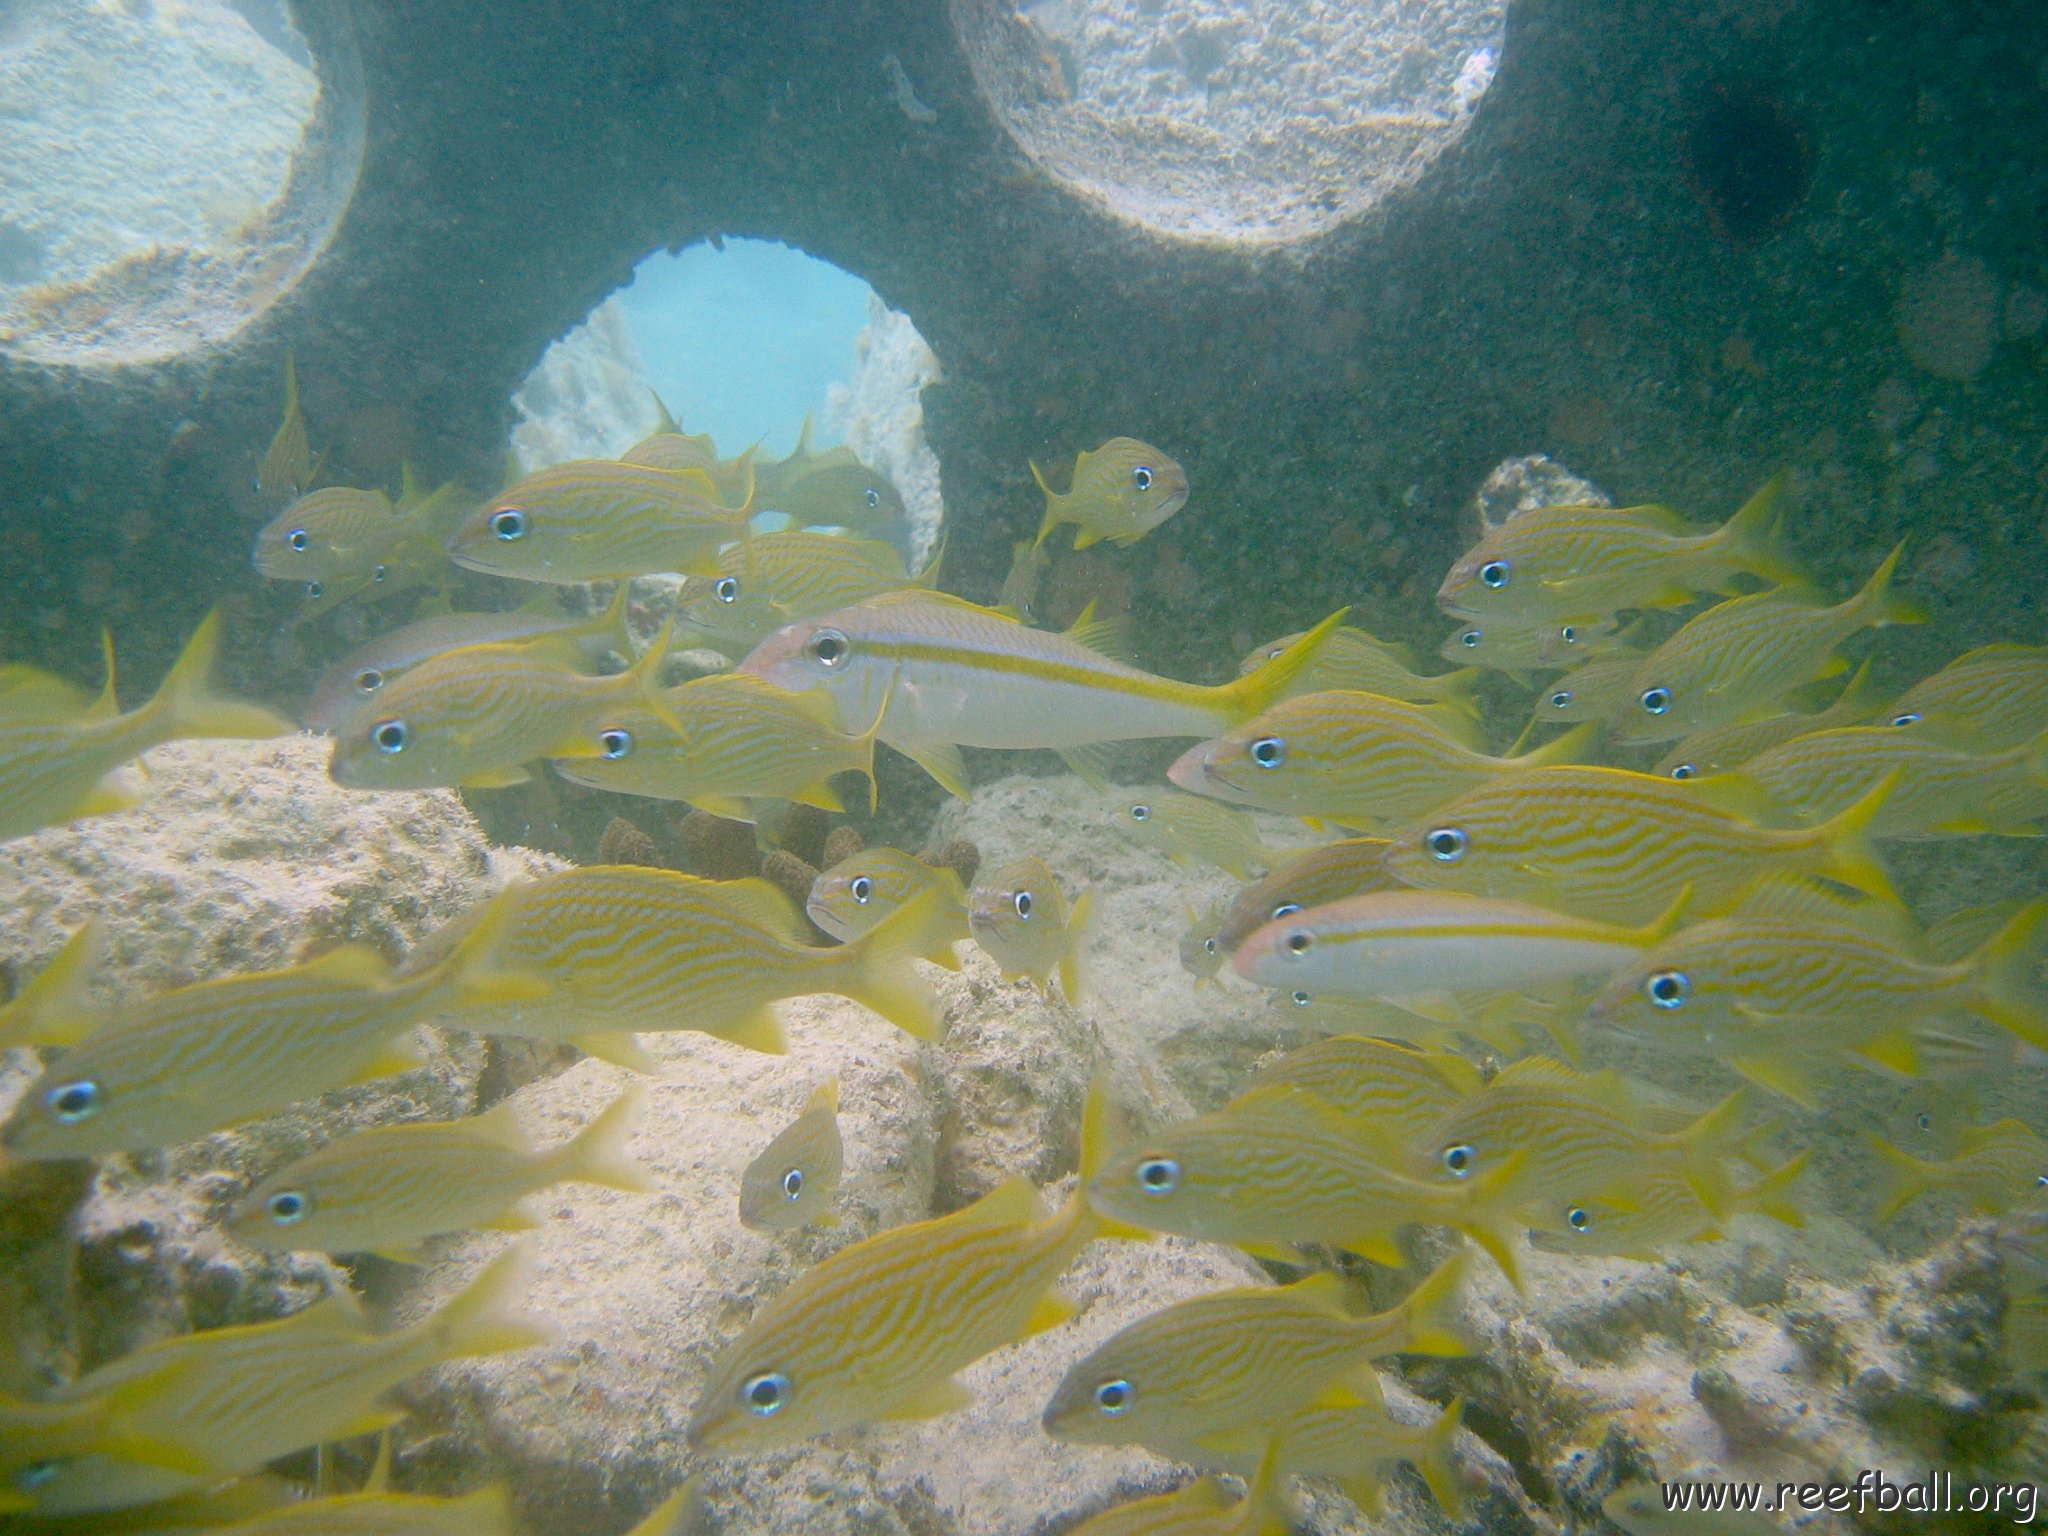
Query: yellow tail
[1433, 1459]
[1053, 503]
[1433, 1316]
[1906, 1178]
[57, 1008]
[600, 1153]
[1264, 686]
[1844, 843]
[2005, 966]
[186, 707]
[877, 971]
[1079, 918]
[1876, 603]
[483, 1319]
[1751, 537]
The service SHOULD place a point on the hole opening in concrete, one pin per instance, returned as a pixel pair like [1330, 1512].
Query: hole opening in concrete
[742, 340]
[168, 170]
[1234, 120]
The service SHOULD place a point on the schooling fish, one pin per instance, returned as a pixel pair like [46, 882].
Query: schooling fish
[952, 674]
[860, 890]
[59, 763]
[1739, 657]
[621, 948]
[1194, 832]
[1661, 1209]
[1992, 698]
[1722, 747]
[379, 1512]
[342, 542]
[599, 520]
[57, 1008]
[1521, 646]
[1354, 660]
[1352, 1439]
[1201, 952]
[1214, 1374]
[386, 1189]
[1202, 1508]
[879, 1330]
[1019, 916]
[1620, 846]
[1312, 877]
[1120, 492]
[1595, 691]
[1388, 1084]
[1996, 1168]
[286, 468]
[792, 1182]
[1938, 789]
[1567, 565]
[829, 488]
[779, 578]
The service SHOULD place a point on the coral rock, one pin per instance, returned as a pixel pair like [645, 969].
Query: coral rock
[624, 843]
[718, 849]
[842, 842]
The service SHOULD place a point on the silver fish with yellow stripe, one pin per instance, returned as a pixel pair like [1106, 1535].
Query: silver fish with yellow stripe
[1312, 877]
[600, 520]
[792, 1182]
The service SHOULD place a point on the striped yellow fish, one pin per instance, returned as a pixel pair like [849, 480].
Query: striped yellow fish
[740, 740]
[828, 488]
[778, 578]
[1352, 758]
[1722, 747]
[1595, 691]
[1359, 662]
[1395, 1087]
[1520, 646]
[1352, 1439]
[1938, 789]
[1201, 951]
[58, 1008]
[1739, 658]
[1120, 492]
[1309, 879]
[486, 1512]
[1202, 1508]
[1620, 846]
[668, 446]
[1019, 915]
[599, 520]
[1567, 565]
[1194, 1380]
[343, 542]
[953, 674]
[221, 1052]
[860, 890]
[386, 1189]
[621, 948]
[286, 468]
[1661, 1209]
[1194, 832]
[1997, 1168]
[1991, 698]
[879, 1330]
[1279, 1167]
[792, 1182]
[60, 756]
[476, 716]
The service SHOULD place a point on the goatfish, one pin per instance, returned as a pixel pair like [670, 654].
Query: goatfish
[286, 468]
[879, 1330]
[740, 740]
[1722, 747]
[1518, 647]
[1996, 1168]
[1662, 1208]
[387, 1189]
[214, 1054]
[944, 674]
[1020, 917]
[1397, 1088]
[1194, 832]
[343, 687]
[57, 1008]
[1311, 878]
[60, 757]
[1353, 660]
[1619, 846]
[622, 948]
[1406, 944]
[600, 520]
[1210, 1375]
[1938, 789]
[1991, 698]
[792, 1182]
[828, 488]
[863, 888]
[1120, 492]
[1739, 657]
[1569, 565]
[1278, 1167]
[1355, 759]
[779, 578]
[475, 717]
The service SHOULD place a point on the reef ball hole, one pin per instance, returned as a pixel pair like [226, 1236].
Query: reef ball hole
[742, 339]
[1747, 158]
[1234, 120]
[139, 219]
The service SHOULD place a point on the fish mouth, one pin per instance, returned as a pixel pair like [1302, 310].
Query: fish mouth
[1193, 771]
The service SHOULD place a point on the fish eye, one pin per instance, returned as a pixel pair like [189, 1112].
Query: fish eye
[726, 590]
[1445, 844]
[379, 572]
[1269, 751]
[2041, 1181]
[1494, 574]
[1926, 1122]
[1458, 1160]
[38, 1473]
[793, 1183]
[1022, 903]
[1285, 909]
[830, 647]
[509, 524]
[287, 1206]
[74, 1102]
[1300, 999]
[1561, 699]
[1141, 477]
[862, 888]
[1569, 634]
[874, 497]
[764, 1395]
[1668, 989]
[313, 590]
[1470, 638]
[369, 680]
[1208, 946]
[1577, 1218]
[1683, 770]
[1656, 700]
[1159, 1175]
[298, 540]
[615, 742]
[1141, 813]
[390, 736]
[1114, 1396]
[1910, 717]
[1299, 941]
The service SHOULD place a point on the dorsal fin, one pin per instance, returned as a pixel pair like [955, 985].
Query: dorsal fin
[764, 905]
[1109, 637]
[663, 422]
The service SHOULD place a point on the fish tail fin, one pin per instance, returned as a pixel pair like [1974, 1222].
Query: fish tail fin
[1878, 605]
[1265, 1498]
[483, 1318]
[1053, 502]
[1434, 1461]
[108, 705]
[1580, 744]
[1752, 537]
[57, 1008]
[600, 1152]
[1488, 1212]
[186, 707]
[467, 977]
[1906, 1178]
[1844, 841]
[1433, 1315]
[616, 623]
[1263, 686]
[1080, 916]
[2005, 966]
[644, 679]
[1459, 689]
[1102, 1132]
[1771, 1195]
[879, 973]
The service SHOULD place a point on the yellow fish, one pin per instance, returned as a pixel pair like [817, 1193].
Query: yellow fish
[1938, 789]
[486, 1512]
[1352, 1439]
[1120, 492]
[1722, 747]
[57, 1008]
[1201, 951]
[860, 890]
[1193, 832]
[386, 1189]
[1595, 691]
[1353, 758]
[286, 469]
[1312, 877]
[1620, 846]
[1661, 1209]
[599, 520]
[1996, 1168]
[778, 578]
[1214, 1374]
[1567, 565]
[1739, 657]
[475, 717]
[217, 1053]
[1518, 646]
[792, 1182]
[879, 1330]
[1202, 1508]
[669, 447]
[621, 948]
[59, 760]
[1019, 915]
[1991, 698]
[1353, 660]
[1019, 596]
[1393, 1086]
[829, 488]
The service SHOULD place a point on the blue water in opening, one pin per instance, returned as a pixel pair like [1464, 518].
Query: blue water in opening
[742, 342]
